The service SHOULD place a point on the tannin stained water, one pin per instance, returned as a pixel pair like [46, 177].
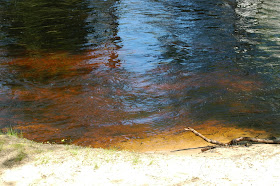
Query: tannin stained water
[134, 73]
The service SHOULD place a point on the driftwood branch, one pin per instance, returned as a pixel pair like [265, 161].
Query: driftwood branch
[205, 139]
[232, 142]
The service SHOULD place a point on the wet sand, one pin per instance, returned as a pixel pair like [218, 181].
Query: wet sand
[178, 141]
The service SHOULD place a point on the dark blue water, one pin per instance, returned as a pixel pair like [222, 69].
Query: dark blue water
[91, 70]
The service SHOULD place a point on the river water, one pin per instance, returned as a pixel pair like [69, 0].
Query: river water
[97, 71]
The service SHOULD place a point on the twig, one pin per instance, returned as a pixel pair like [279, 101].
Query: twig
[206, 139]
[232, 142]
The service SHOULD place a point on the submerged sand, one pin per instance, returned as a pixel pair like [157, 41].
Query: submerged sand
[23, 162]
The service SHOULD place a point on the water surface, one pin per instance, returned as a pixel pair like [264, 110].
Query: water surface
[97, 72]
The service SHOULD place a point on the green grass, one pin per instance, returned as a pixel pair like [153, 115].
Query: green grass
[20, 156]
[136, 160]
[44, 160]
[12, 132]
[96, 167]
[1, 145]
[15, 159]
[18, 146]
[74, 152]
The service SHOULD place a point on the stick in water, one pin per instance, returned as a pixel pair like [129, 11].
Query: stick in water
[234, 141]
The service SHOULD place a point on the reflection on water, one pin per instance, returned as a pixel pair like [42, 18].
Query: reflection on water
[101, 72]
[31, 26]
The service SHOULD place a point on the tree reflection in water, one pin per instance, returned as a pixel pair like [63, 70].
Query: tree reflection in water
[101, 72]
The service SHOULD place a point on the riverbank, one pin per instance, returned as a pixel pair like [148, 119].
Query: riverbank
[24, 162]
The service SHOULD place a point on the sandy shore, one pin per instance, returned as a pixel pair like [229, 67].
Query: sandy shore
[23, 162]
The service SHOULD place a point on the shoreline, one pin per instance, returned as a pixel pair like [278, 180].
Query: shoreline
[24, 162]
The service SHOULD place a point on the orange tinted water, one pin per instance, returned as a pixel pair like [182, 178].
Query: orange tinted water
[136, 137]
[177, 139]
[133, 74]
[85, 114]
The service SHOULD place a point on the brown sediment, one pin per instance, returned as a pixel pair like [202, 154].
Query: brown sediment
[108, 136]
[102, 136]
[39, 132]
[239, 107]
[176, 139]
[39, 94]
[64, 64]
[140, 138]
[49, 65]
[239, 84]
[88, 106]
[229, 82]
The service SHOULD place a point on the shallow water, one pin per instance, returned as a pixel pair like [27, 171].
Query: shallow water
[99, 72]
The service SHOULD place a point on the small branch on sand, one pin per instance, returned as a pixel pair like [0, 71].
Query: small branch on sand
[232, 142]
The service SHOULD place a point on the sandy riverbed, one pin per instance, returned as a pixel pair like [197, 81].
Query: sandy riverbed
[23, 162]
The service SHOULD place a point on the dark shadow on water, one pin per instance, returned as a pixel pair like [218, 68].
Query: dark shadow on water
[99, 71]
